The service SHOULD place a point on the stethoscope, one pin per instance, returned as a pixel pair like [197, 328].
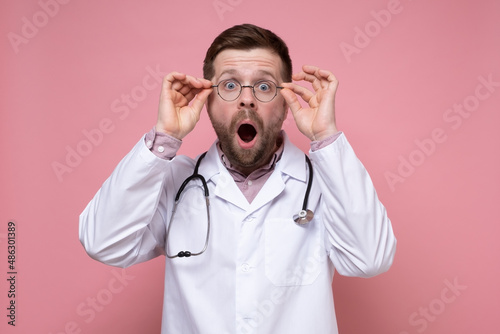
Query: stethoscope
[303, 217]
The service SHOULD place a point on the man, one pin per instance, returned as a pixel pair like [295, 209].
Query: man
[248, 267]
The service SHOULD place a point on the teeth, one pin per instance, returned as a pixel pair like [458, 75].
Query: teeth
[247, 132]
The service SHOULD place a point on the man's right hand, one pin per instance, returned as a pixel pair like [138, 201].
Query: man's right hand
[175, 116]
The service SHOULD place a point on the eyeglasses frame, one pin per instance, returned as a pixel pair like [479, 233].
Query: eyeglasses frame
[248, 86]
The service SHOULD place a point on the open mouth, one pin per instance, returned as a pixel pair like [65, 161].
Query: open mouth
[247, 132]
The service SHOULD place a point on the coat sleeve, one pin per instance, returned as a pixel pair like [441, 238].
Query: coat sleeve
[124, 223]
[359, 232]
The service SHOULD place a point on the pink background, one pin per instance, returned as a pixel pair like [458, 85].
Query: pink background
[68, 67]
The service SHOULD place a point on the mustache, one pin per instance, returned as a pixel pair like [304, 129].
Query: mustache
[244, 114]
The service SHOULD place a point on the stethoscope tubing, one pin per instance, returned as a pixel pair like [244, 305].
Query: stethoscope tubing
[193, 176]
[301, 219]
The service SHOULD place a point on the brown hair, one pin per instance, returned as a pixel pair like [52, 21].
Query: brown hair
[247, 37]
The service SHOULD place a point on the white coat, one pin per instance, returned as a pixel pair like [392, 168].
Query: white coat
[261, 273]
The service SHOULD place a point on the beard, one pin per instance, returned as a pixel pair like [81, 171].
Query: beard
[247, 160]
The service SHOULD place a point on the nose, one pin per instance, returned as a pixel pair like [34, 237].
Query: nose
[247, 98]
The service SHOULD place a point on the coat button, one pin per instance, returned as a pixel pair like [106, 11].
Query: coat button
[245, 267]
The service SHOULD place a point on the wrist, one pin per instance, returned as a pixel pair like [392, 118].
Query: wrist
[325, 134]
[161, 144]
[160, 130]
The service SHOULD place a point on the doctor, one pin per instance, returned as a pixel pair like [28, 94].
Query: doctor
[260, 272]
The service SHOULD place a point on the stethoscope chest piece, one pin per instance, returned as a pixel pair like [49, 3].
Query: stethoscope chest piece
[303, 217]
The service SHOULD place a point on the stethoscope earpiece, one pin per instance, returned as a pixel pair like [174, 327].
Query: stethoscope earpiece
[303, 217]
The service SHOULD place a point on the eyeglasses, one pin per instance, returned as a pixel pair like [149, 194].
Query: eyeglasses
[264, 90]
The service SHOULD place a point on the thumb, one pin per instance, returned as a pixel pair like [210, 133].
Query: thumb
[200, 99]
[291, 99]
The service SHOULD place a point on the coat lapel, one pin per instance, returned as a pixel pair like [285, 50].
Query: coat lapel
[225, 187]
[291, 164]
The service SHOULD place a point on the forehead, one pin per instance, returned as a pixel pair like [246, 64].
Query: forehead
[249, 64]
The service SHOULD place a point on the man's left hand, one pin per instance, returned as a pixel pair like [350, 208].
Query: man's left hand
[317, 122]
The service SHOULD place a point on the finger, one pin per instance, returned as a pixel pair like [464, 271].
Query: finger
[291, 99]
[205, 83]
[303, 76]
[191, 94]
[310, 69]
[174, 76]
[326, 77]
[176, 85]
[193, 82]
[332, 81]
[317, 72]
[185, 90]
[171, 82]
[316, 82]
[200, 99]
[190, 91]
[303, 92]
[329, 76]
[188, 83]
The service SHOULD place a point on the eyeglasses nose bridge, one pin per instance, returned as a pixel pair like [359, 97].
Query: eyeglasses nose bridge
[247, 86]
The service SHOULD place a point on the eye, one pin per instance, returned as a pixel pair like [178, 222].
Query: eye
[230, 85]
[263, 86]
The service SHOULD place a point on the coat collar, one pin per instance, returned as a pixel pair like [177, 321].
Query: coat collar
[292, 164]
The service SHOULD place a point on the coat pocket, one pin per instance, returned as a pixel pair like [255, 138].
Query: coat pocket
[294, 255]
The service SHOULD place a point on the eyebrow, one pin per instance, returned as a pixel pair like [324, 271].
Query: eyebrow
[260, 73]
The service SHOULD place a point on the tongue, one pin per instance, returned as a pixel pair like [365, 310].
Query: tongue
[247, 132]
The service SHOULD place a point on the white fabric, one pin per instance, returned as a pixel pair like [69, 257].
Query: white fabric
[261, 273]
